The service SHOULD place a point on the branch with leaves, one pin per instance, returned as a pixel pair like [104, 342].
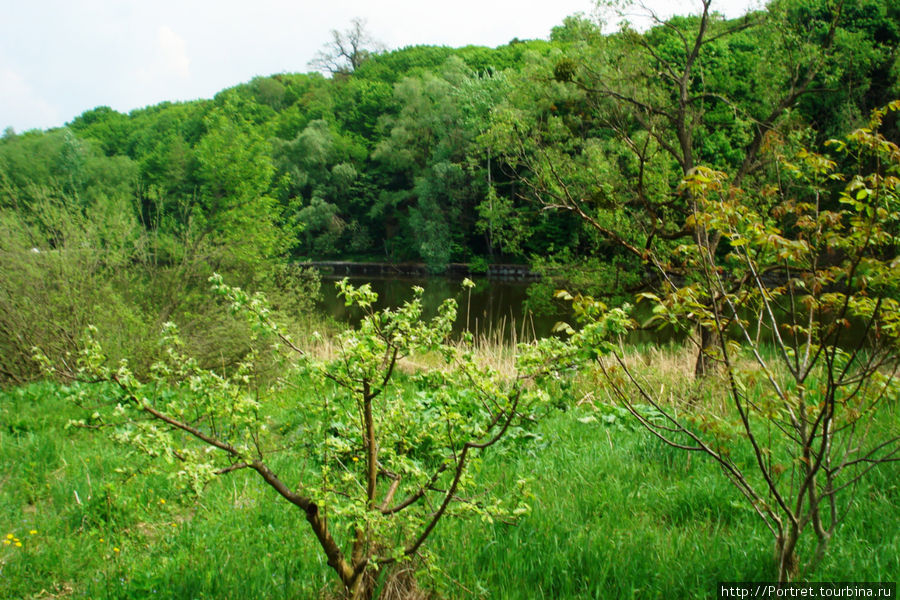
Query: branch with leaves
[374, 465]
[812, 403]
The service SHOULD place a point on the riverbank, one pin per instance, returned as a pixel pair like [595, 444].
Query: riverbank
[507, 272]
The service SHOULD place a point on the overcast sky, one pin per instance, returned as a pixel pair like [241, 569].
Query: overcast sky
[59, 58]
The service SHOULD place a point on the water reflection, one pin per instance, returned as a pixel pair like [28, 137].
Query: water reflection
[493, 308]
[497, 309]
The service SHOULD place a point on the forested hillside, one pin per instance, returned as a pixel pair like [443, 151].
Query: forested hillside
[559, 152]
[714, 203]
[417, 154]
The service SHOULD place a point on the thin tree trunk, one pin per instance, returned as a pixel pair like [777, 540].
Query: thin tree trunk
[785, 548]
[704, 364]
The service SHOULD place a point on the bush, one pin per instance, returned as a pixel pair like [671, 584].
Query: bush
[373, 469]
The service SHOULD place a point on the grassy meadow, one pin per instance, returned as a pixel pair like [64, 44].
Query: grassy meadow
[614, 514]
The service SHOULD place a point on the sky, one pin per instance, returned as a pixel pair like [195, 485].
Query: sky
[59, 58]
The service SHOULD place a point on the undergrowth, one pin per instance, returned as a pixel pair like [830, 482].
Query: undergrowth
[614, 514]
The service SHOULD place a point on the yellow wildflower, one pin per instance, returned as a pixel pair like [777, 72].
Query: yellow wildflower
[9, 536]
[116, 550]
[33, 532]
[18, 544]
[7, 542]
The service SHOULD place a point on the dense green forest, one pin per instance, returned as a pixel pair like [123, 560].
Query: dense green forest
[555, 153]
[428, 153]
[740, 178]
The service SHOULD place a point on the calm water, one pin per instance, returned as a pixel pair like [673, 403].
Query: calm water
[493, 306]
[499, 308]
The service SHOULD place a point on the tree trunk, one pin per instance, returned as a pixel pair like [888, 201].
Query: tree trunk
[362, 588]
[705, 363]
[785, 554]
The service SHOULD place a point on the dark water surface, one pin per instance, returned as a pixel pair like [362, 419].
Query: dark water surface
[498, 310]
[494, 307]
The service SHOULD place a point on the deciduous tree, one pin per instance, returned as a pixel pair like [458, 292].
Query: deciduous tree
[802, 300]
[347, 49]
[373, 466]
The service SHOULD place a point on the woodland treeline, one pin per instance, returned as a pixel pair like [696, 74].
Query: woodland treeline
[739, 178]
[559, 152]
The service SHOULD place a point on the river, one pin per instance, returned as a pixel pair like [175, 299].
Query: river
[495, 308]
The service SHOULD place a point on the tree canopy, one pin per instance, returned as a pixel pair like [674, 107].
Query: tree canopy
[440, 155]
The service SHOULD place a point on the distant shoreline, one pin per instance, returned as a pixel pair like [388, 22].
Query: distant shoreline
[411, 269]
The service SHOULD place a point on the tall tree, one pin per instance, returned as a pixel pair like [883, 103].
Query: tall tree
[795, 425]
[347, 49]
[616, 123]
[235, 211]
[428, 153]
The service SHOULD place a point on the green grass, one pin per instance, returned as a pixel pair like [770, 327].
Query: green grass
[615, 514]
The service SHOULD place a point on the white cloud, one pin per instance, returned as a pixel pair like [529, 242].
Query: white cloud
[20, 103]
[165, 72]
[172, 53]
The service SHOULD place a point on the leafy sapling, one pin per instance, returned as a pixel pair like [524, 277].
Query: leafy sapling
[810, 408]
[373, 465]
